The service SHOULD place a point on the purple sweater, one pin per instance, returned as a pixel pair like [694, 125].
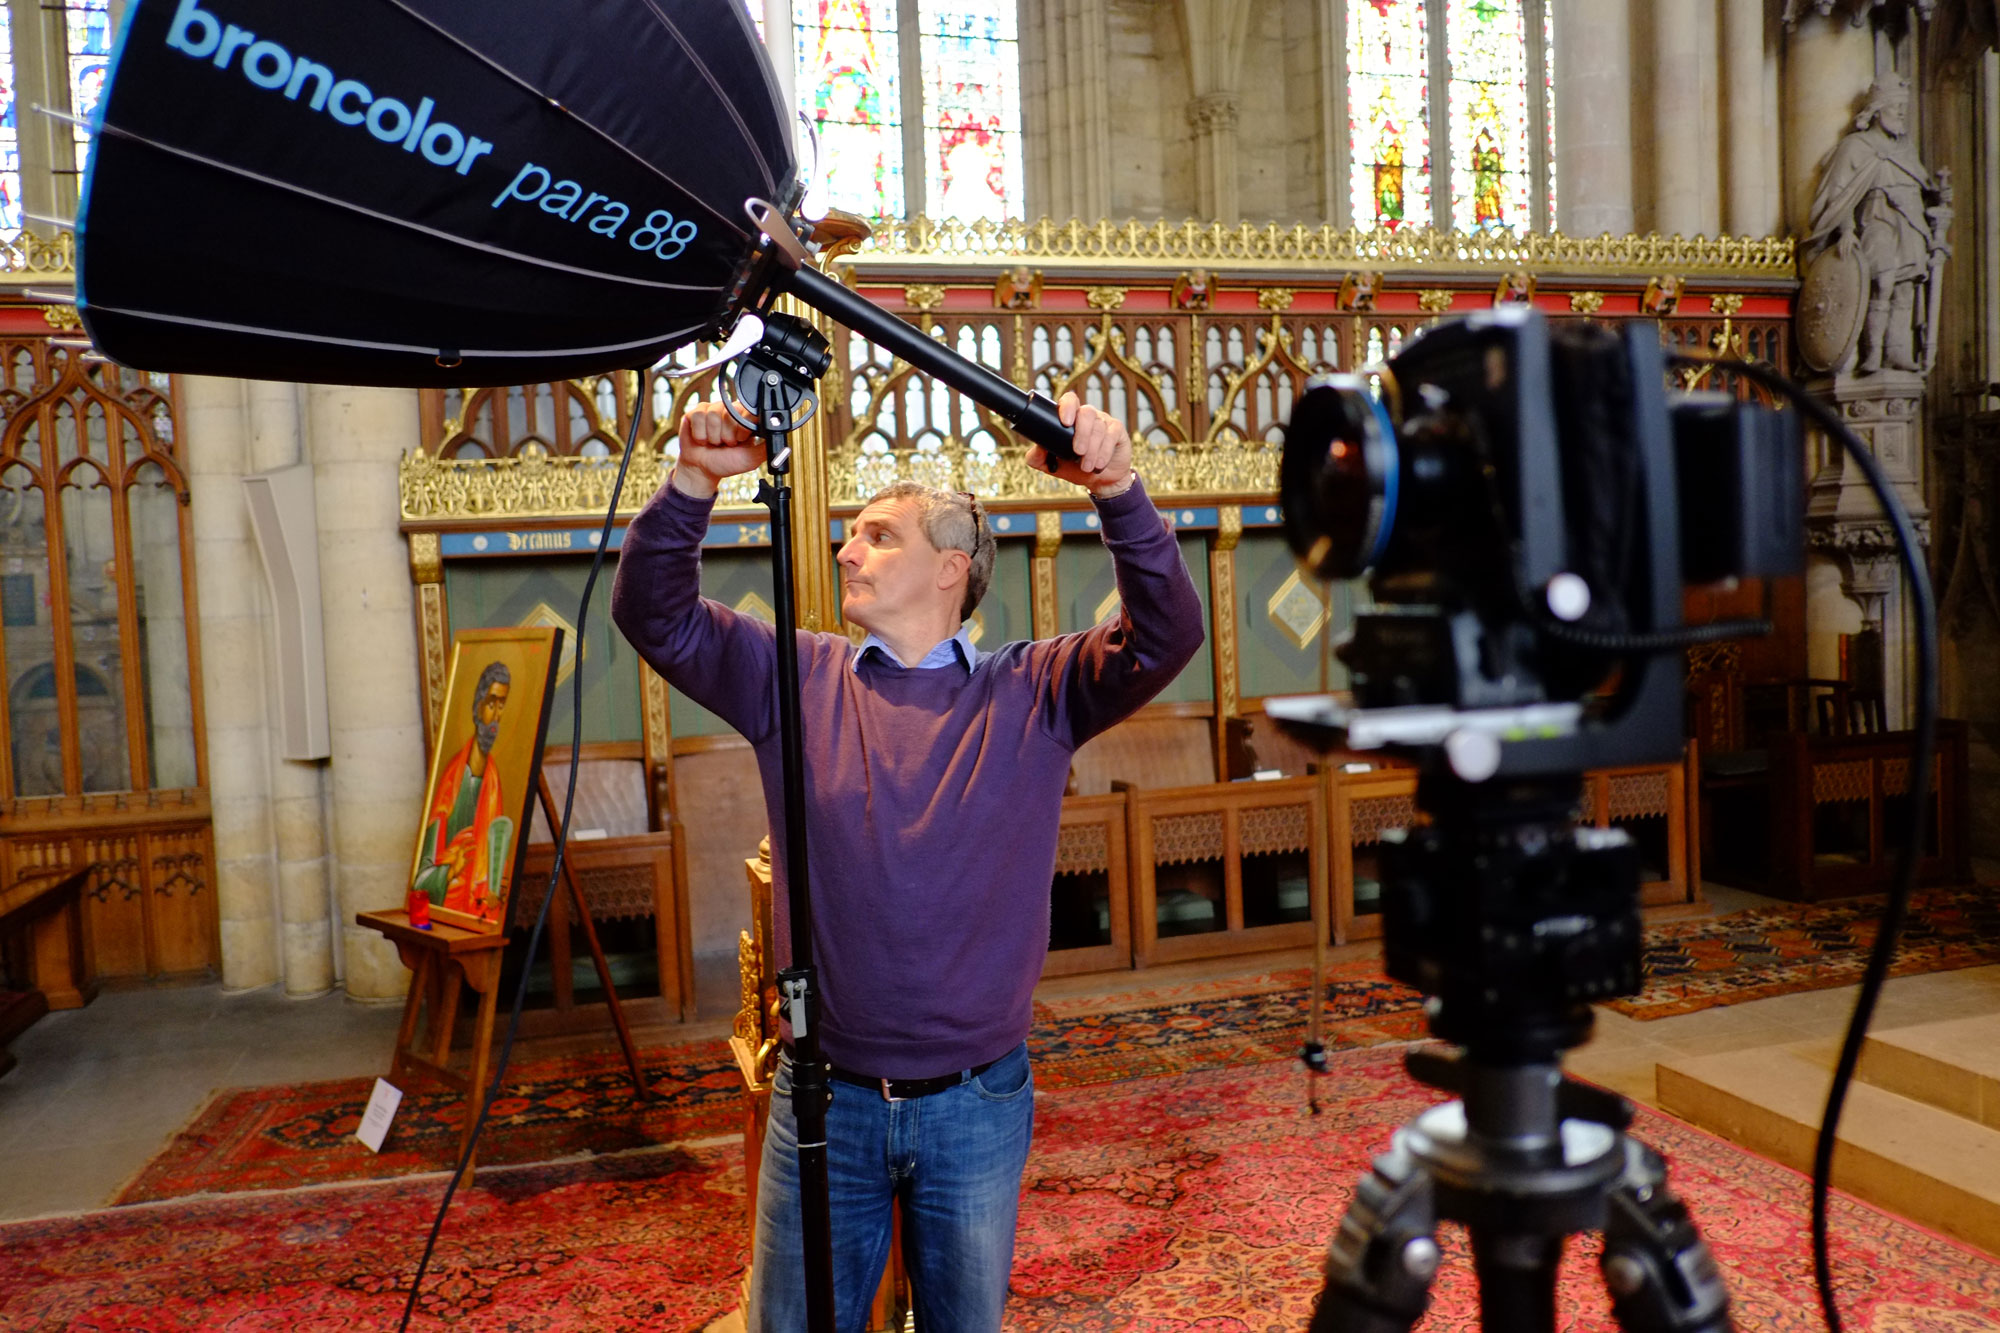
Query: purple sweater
[932, 795]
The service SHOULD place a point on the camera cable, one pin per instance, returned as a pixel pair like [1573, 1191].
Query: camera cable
[1923, 606]
[555, 870]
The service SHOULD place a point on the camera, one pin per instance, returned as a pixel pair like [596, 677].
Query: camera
[1528, 501]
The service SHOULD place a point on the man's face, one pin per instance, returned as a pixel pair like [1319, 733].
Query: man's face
[486, 717]
[1894, 116]
[888, 565]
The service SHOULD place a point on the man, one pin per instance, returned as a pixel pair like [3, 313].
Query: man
[466, 837]
[935, 776]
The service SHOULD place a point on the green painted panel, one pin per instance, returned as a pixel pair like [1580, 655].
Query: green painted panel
[1085, 586]
[1268, 659]
[484, 594]
[1006, 612]
[731, 577]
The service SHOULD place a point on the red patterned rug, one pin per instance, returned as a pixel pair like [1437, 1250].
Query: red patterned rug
[280, 1137]
[1693, 965]
[1197, 1202]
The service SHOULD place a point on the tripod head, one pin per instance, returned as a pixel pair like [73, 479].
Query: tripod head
[1511, 916]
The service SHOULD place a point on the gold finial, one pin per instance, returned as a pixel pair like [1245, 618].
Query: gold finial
[1726, 303]
[1586, 303]
[1275, 298]
[1434, 300]
[924, 296]
[1105, 298]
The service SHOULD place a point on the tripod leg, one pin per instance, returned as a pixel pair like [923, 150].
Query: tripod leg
[1661, 1276]
[1380, 1263]
[1517, 1279]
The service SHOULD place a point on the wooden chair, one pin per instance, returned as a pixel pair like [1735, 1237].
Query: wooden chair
[630, 856]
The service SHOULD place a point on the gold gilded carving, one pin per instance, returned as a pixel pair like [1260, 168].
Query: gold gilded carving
[1192, 291]
[1434, 300]
[1586, 303]
[1106, 299]
[1726, 303]
[426, 559]
[1216, 245]
[924, 296]
[1222, 596]
[544, 486]
[1298, 609]
[1228, 527]
[1024, 370]
[1048, 534]
[659, 729]
[62, 317]
[430, 617]
[1275, 298]
[750, 977]
[27, 255]
[1019, 288]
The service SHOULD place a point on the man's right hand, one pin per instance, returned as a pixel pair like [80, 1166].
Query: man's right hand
[714, 445]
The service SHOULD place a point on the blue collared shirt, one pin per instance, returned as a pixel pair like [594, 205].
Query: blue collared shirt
[958, 648]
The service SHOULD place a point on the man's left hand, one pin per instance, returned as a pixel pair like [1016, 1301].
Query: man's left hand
[1103, 462]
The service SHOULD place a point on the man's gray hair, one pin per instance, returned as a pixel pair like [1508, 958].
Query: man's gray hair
[952, 521]
[494, 674]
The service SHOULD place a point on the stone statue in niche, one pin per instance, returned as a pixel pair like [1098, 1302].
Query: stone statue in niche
[1878, 233]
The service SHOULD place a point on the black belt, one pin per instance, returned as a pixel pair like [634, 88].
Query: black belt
[905, 1089]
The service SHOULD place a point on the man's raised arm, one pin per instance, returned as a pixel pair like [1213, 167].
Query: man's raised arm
[1106, 672]
[721, 660]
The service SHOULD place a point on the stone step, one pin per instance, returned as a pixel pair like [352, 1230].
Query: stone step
[1953, 1065]
[1915, 1160]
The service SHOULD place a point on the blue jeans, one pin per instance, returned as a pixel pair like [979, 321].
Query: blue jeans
[954, 1159]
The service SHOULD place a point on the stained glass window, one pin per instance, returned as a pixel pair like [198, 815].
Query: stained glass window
[850, 87]
[1388, 113]
[972, 110]
[89, 34]
[1491, 180]
[10, 133]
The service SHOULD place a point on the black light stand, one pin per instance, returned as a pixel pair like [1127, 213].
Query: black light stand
[773, 384]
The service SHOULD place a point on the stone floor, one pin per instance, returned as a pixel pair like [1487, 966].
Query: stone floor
[100, 1090]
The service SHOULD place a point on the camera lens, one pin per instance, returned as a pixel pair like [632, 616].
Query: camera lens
[1338, 477]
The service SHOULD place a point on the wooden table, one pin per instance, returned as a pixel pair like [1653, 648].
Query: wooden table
[443, 961]
[44, 940]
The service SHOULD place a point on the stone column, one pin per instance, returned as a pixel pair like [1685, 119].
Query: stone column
[1593, 117]
[1683, 139]
[229, 579]
[1215, 32]
[1751, 160]
[356, 437]
[1829, 64]
[297, 791]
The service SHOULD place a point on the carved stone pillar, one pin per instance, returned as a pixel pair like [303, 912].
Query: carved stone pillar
[1215, 32]
[367, 605]
[274, 413]
[1213, 118]
[230, 581]
[1844, 524]
[1684, 122]
[1750, 203]
[1828, 65]
[1594, 117]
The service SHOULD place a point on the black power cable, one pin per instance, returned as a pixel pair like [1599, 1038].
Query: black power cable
[1924, 606]
[555, 871]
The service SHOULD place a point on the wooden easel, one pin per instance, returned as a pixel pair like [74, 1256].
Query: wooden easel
[445, 959]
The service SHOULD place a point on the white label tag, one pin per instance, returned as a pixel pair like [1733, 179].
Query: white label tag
[382, 1104]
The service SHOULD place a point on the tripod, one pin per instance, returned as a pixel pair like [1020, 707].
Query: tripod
[1513, 919]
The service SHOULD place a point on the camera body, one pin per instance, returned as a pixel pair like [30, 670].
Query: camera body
[1527, 502]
